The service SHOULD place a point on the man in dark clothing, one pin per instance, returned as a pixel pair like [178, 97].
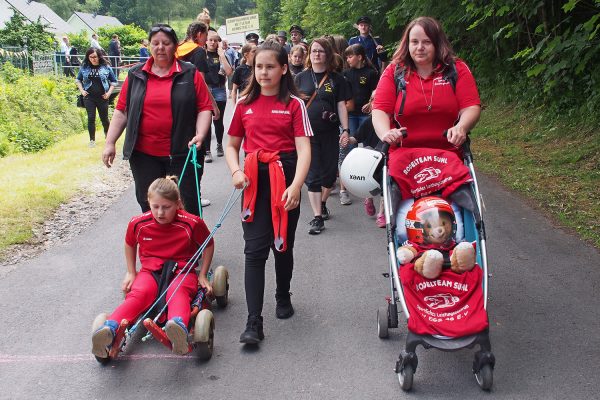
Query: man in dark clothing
[114, 53]
[372, 44]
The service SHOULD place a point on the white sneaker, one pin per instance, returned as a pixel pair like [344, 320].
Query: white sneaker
[92, 143]
[205, 202]
[345, 198]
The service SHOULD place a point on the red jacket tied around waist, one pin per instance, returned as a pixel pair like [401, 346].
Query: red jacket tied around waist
[277, 179]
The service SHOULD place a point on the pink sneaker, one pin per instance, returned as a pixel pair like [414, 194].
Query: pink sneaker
[380, 221]
[369, 206]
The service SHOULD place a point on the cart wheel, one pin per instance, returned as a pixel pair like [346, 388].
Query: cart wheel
[485, 377]
[382, 322]
[405, 377]
[102, 361]
[204, 328]
[220, 284]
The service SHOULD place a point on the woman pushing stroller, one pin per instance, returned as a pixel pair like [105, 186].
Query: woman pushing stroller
[425, 91]
[441, 93]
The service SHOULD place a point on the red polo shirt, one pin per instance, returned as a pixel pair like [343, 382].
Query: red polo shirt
[157, 118]
[176, 241]
[425, 127]
[269, 124]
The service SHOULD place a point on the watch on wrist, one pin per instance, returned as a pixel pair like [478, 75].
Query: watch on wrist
[345, 130]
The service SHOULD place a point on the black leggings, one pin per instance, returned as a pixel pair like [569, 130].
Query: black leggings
[146, 168]
[219, 128]
[258, 237]
[91, 104]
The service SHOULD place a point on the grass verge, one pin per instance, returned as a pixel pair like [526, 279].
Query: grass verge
[556, 164]
[36, 184]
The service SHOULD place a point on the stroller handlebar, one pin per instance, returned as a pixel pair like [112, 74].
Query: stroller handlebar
[466, 146]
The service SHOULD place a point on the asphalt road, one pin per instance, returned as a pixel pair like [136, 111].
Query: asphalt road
[543, 312]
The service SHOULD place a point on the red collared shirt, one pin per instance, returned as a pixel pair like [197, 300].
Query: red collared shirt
[176, 241]
[157, 116]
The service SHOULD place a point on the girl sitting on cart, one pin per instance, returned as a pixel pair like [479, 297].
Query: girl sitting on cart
[165, 233]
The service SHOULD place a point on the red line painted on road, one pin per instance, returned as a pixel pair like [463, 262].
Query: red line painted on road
[74, 358]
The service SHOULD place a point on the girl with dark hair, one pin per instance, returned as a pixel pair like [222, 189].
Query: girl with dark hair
[96, 82]
[272, 124]
[362, 78]
[326, 95]
[192, 48]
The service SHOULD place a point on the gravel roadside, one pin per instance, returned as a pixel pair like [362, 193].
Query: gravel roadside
[85, 207]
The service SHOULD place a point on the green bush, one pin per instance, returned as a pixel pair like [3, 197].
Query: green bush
[35, 111]
[81, 41]
[130, 36]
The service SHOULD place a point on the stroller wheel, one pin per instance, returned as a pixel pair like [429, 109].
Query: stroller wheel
[382, 322]
[485, 377]
[405, 377]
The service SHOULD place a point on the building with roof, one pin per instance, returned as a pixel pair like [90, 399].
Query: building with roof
[90, 23]
[34, 11]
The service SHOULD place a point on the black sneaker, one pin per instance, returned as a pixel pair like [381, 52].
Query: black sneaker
[220, 152]
[284, 308]
[316, 225]
[254, 330]
[325, 212]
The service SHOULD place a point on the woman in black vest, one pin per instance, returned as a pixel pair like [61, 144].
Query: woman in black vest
[166, 108]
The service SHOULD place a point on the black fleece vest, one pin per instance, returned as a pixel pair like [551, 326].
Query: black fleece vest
[183, 108]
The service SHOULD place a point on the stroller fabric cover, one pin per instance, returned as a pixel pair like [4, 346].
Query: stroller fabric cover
[451, 305]
[420, 171]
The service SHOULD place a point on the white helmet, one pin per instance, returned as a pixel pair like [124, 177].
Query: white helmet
[359, 172]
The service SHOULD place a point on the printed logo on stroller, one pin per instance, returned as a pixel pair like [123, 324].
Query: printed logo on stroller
[442, 300]
[427, 174]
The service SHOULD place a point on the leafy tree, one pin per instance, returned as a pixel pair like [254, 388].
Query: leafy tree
[235, 8]
[18, 32]
[269, 15]
[292, 12]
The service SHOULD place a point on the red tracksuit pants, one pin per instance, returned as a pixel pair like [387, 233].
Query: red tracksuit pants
[145, 290]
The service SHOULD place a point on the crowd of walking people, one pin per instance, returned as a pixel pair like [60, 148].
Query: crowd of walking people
[299, 107]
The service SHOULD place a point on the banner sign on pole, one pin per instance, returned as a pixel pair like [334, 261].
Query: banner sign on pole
[242, 24]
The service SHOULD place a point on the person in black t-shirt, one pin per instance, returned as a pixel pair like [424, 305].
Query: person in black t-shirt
[242, 73]
[96, 82]
[326, 112]
[216, 78]
[363, 78]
